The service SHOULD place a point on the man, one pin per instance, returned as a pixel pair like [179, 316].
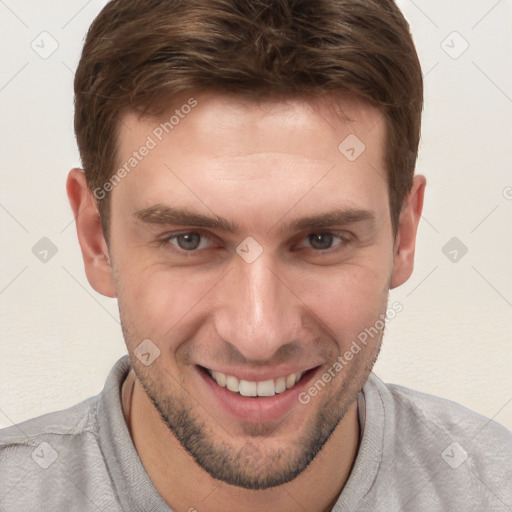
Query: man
[248, 195]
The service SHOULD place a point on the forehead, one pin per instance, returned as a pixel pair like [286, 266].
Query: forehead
[284, 125]
[225, 147]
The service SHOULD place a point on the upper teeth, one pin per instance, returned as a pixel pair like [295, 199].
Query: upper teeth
[250, 388]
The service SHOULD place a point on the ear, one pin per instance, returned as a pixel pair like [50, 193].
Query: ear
[90, 235]
[405, 242]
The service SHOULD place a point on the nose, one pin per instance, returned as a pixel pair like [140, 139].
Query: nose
[256, 311]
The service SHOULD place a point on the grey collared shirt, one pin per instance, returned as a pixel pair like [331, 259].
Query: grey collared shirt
[418, 453]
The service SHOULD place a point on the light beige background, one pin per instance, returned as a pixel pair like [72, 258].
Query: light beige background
[454, 336]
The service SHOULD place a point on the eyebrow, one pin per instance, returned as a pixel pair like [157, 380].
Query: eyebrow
[167, 215]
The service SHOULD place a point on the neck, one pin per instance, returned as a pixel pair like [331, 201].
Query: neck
[184, 485]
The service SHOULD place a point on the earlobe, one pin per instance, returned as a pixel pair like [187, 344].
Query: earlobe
[405, 244]
[95, 251]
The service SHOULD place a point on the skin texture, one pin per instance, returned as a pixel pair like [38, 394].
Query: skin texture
[297, 307]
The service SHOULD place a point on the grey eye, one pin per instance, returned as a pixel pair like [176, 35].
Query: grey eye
[321, 240]
[188, 241]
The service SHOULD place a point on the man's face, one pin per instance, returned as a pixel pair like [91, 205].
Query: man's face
[265, 288]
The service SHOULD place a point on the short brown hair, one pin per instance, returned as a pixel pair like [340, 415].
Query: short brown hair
[140, 54]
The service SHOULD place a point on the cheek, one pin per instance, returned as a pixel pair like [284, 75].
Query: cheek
[157, 301]
[348, 300]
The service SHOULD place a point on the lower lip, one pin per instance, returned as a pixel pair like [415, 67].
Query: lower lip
[261, 409]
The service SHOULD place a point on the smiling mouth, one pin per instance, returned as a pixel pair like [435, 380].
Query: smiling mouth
[266, 388]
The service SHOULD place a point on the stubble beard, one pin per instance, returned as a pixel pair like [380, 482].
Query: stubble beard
[253, 466]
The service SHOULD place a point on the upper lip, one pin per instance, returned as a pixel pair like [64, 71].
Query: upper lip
[261, 374]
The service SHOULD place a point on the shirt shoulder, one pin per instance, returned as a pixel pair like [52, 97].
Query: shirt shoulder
[439, 455]
[55, 459]
[74, 420]
[486, 440]
[445, 414]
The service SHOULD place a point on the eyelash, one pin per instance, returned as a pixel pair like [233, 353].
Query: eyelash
[344, 238]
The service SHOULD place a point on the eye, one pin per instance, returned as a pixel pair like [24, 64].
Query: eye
[189, 241]
[323, 241]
